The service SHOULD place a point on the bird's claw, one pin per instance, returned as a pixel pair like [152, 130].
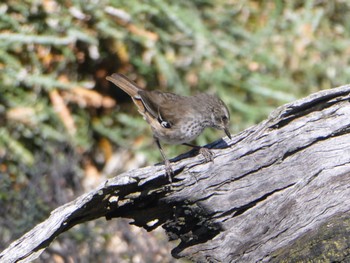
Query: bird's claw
[169, 171]
[207, 154]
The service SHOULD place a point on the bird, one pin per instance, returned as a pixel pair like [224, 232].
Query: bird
[176, 119]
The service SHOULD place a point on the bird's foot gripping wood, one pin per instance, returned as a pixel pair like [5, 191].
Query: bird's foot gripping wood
[207, 154]
[169, 171]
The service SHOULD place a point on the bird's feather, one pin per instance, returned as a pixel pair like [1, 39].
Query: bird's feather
[161, 105]
[121, 81]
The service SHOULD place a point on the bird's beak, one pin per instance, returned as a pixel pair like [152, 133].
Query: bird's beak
[227, 133]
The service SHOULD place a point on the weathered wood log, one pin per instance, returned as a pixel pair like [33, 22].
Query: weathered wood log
[273, 185]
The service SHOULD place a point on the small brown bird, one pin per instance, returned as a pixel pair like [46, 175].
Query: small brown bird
[176, 119]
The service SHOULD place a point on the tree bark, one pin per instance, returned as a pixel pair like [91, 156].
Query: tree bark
[269, 191]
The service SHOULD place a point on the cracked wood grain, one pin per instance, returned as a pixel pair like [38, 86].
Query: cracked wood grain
[267, 188]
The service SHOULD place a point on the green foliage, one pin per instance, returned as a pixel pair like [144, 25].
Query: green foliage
[256, 55]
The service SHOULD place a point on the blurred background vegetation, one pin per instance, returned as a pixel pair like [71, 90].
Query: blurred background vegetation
[64, 128]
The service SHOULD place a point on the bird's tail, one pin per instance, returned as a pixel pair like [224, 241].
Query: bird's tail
[124, 83]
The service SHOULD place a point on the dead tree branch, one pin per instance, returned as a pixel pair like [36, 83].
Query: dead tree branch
[268, 188]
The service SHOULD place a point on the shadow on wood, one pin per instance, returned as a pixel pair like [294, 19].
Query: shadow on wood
[268, 188]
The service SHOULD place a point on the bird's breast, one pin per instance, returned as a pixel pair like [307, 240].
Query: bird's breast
[184, 128]
[179, 133]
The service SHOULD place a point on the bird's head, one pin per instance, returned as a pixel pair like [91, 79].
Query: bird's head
[220, 116]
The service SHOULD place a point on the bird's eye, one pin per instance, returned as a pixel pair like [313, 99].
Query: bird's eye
[165, 124]
[224, 118]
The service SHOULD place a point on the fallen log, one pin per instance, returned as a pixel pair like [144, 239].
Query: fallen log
[270, 192]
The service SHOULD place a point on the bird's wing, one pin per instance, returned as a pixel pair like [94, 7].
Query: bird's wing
[161, 105]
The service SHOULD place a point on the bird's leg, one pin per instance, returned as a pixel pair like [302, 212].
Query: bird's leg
[168, 170]
[207, 154]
